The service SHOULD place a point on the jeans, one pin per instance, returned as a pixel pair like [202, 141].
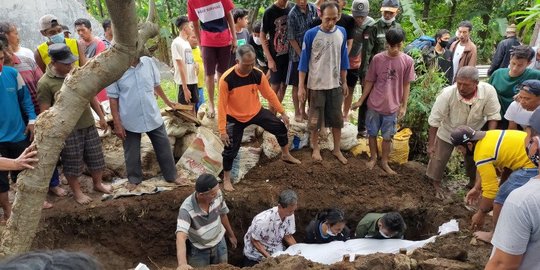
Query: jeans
[517, 179]
[204, 257]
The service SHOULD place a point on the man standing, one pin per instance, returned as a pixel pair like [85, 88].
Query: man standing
[374, 43]
[360, 11]
[185, 68]
[324, 56]
[299, 20]
[83, 144]
[134, 110]
[15, 135]
[492, 150]
[501, 59]
[506, 80]
[439, 57]
[201, 225]
[108, 33]
[276, 48]
[270, 228]
[463, 49]
[213, 25]
[468, 102]
[516, 240]
[239, 107]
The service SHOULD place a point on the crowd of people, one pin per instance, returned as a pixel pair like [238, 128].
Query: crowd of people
[324, 54]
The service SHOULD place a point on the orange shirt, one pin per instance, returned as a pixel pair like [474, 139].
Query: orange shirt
[239, 96]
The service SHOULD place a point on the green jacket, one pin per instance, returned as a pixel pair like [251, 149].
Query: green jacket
[375, 43]
[368, 228]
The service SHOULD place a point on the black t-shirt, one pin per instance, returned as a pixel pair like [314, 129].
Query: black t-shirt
[313, 234]
[259, 52]
[274, 23]
[346, 21]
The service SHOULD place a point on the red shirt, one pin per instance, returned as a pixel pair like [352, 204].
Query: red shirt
[214, 27]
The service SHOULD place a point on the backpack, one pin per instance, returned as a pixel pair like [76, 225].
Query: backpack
[422, 44]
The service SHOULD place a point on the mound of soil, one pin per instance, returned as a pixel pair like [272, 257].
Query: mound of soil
[125, 231]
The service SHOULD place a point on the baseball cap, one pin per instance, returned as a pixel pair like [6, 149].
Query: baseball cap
[47, 21]
[60, 52]
[205, 182]
[511, 28]
[464, 134]
[65, 28]
[360, 8]
[390, 5]
[531, 86]
[534, 121]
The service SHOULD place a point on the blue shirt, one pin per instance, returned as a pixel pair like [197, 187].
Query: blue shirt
[298, 23]
[137, 104]
[324, 55]
[14, 101]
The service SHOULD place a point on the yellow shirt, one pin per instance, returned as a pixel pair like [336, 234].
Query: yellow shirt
[198, 59]
[499, 149]
[43, 49]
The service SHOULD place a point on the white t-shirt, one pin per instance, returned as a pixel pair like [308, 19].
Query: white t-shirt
[518, 227]
[518, 114]
[181, 50]
[25, 52]
[457, 56]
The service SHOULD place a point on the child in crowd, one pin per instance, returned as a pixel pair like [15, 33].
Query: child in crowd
[199, 67]
[387, 86]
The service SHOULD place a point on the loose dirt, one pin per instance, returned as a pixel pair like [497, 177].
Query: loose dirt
[123, 232]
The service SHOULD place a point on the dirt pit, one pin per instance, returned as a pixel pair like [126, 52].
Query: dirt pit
[125, 231]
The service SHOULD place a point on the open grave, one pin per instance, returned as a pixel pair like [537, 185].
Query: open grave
[125, 231]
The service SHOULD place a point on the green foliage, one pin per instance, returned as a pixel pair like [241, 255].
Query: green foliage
[527, 18]
[424, 90]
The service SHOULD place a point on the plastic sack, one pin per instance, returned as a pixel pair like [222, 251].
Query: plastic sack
[400, 146]
[270, 145]
[247, 158]
[348, 136]
[202, 156]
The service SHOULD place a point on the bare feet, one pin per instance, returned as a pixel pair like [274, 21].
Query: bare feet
[82, 198]
[483, 236]
[104, 188]
[182, 181]
[47, 205]
[340, 156]
[290, 159]
[323, 133]
[131, 186]
[227, 185]
[211, 113]
[371, 163]
[58, 191]
[298, 118]
[316, 154]
[3, 221]
[439, 193]
[387, 169]
[305, 116]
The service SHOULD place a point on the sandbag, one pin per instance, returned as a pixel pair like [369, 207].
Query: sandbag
[182, 144]
[211, 123]
[270, 145]
[247, 158]
[202, 156]
[249, 133]
[177, 127]
[349, 132]
[298, 142]
[400, 146]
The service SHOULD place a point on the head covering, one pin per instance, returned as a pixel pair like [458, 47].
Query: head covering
[47, 21]
[531, 86]
[464, 134]
[390, 5]
[65, 28]
[534, 121]
[360, 8]
[511, 28]
[60, 52]
[205, 182]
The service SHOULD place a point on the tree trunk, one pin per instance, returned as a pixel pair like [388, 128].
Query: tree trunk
[425, 12]
[174, 31]
[54, 125]
[453, 9]
[253, 14]
[100, 8]
[535, 41]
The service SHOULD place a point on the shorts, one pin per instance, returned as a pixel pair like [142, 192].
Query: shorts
[385, 123]
[437, 164]
[204, 257]
[292, 74]
[353, 76]
[215, 58]
[325, 108]
[82, 145]
[10, 150]
[193, 89]
[516, 179]
[282, 66]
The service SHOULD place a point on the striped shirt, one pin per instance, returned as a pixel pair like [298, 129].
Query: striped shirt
[499, 149]
[239, 96]
[204, 230]
[31, 73]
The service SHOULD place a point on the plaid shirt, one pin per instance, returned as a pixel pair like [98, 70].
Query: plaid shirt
[297, 25]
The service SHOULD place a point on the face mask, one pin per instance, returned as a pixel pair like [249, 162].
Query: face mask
[58, 38]
[329, 232]
[257, 40]
[534, 157]
[384, 235]
[388, 21]
[443, 43]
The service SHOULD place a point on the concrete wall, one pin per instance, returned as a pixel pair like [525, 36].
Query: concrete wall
[26, 13]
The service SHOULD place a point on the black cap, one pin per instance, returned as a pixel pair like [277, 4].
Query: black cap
[65, 28]
[534, 121]
[390, 5]
[205, 182]
[531, 86]
[60, 52]
[464, 134]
